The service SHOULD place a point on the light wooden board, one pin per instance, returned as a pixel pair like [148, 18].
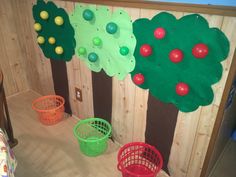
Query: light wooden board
[123, 102]
[79, 76]
[12, 60]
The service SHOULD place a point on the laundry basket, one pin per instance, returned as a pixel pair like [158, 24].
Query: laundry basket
[139, 159]
[50, 109]
[92, 135]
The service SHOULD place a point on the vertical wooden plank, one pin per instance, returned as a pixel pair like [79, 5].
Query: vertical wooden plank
[201, 145]
[206, 120]
[12, 48]
[123, 104]
[182, 143]
[72, 72]
[25, 39]
[202, 138]
[140, 98]
[79, 76]
[9, 83]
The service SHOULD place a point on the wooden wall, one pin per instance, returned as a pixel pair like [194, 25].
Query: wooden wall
[23, 64]
[26, 68]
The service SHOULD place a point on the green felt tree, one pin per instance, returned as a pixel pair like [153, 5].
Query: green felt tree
[55, 33]
[179, 60]
[105, 40]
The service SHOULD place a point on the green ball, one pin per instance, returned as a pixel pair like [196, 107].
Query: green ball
[97, 41]
[88, 15]
[82, 51]
[92, 57]
[124, 50]
[111, 28]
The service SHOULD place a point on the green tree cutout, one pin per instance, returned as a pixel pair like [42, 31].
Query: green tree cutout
[55, 33]
[105, 39]
[179, 60]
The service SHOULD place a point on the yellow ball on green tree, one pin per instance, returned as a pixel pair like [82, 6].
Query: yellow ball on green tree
[37, 27]
[59, 50]
[51, 40]
[41, 40]
[44, 15]
[59, 20]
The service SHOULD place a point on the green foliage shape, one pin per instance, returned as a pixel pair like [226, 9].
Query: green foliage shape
[92, 36]
[63, 34]
[162, 75]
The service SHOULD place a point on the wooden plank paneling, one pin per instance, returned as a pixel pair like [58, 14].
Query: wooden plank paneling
[123, 102]
[25, 39]
[79, 76]
[12, 60]
[25, 67]
[182, 144]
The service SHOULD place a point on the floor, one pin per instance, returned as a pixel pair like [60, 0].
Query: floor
[225, 166]
[52, 151]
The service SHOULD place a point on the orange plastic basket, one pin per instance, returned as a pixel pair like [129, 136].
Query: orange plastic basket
[50, 109]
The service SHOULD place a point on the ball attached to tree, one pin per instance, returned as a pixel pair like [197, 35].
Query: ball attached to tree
[159, 33]
[51, 40]
[124, 50]
[111, 28]
[182, 89]
[138, 79]
[37, 27]
[88, 15]
[92, 57]
[59, 50]
[97, 41]
[176, 55]
[145, 50]
[200, 50]
[41, 40]
[59, 20]
[82, 51]
[44, 15]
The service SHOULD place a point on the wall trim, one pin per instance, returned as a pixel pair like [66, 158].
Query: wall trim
[168, 6]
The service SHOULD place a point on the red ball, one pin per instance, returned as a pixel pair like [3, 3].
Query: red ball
[145, 50]
[200, 50]
[159, 33]
[138, 79]
[176, 56]
[182, 89]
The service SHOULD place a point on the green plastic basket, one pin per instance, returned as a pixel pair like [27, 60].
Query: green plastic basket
[92, 135]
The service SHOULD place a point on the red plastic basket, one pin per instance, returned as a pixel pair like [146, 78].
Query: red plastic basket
[50, 109]
[139, 159]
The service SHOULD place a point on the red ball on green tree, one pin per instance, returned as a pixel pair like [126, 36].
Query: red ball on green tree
[182, 89]
[200, 50]
[176, 55]
[138, 79]
[145, 50]
[159, 33]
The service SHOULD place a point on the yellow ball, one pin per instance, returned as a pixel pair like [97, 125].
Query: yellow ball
[44, 15]
[37, 27]
[41, 40]
[59, 50]
[51, 40]
[59, 20]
